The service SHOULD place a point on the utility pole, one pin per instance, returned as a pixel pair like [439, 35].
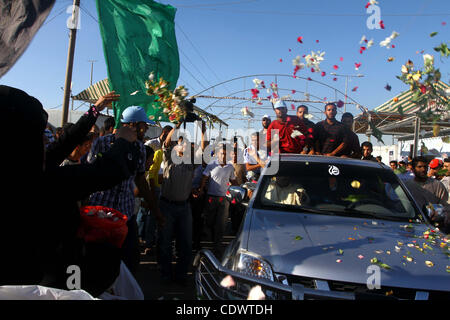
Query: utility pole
[416, 137]
[70, 56]
[92, 68]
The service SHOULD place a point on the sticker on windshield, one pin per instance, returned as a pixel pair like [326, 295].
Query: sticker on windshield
[333, 170]
[356, 184]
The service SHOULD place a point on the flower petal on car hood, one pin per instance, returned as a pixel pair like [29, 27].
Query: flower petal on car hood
[309, 245]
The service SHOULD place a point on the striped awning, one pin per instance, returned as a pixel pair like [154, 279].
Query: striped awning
[403, 100]
[389, 120]
[101, 88]
[94, 92]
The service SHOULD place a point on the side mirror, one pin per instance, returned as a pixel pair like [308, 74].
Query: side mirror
[436, 211]
[236, 193]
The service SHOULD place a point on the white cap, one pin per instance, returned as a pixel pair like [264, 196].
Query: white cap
[280, 104]
[266, 116]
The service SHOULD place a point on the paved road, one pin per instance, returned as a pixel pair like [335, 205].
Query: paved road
[149, 279]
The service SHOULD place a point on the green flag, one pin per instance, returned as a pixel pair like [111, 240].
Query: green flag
[138, 38]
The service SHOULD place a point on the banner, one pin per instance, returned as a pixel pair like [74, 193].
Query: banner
[19, 22]
[138, 38]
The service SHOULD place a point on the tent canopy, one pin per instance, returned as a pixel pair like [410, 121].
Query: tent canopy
[388, 120]
[101, 88]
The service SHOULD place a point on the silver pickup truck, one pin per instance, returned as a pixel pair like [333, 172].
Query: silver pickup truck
[329, 228]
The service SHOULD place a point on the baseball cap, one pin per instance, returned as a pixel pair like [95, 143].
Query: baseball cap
[266, 116]
[280, 104]
[436, 163]
[135, 114]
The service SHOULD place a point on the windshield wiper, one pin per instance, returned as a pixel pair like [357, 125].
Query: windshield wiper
[353, 212]
[302, 208]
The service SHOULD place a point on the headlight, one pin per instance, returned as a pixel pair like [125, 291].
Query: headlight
[253, 265]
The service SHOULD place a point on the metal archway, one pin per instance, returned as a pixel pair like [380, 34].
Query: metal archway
[244, 99]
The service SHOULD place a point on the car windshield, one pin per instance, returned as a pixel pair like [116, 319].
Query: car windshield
[337, 189]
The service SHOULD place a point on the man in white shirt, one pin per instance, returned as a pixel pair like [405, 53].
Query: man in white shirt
[219, 173]
[254, 159]
[157, 142]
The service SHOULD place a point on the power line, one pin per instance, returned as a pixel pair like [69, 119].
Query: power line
[200, 55]
[57, 15]
[88, 13]
[207, 81]
[326, 14]
[192, 76]
[216, 4]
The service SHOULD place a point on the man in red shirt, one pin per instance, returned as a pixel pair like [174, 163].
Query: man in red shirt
[293, 133]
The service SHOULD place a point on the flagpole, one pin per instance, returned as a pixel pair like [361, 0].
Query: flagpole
[70, 55]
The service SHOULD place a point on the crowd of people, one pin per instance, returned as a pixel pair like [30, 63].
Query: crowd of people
[162, 198]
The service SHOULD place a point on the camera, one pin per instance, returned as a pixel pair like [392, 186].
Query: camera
[188, 107]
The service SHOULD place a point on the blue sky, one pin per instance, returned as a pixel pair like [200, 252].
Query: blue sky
[221, 40]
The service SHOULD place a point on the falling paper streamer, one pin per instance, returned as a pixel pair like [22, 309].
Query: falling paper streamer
[294, 135]
[246, 112]
[387, 41]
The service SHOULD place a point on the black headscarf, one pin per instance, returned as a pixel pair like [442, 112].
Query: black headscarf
[22, 127]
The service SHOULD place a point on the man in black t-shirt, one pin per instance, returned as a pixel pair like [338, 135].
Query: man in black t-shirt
[366, 151]
[303, 114]
[330, 133]
[352, 147]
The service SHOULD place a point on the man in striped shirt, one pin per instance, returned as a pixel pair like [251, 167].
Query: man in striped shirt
[121, 197]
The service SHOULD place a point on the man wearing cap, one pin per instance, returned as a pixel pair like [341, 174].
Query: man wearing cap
[435, 166]
[121, 197]
[293, 134]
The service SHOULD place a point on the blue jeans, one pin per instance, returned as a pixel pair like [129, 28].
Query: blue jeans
[179, 226]
[147, 224]
[147, 227]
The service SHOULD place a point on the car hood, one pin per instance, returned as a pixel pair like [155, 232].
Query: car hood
[341, 249]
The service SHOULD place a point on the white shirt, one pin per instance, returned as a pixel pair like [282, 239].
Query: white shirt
[155, 143]
[250, 159]
[219, 178]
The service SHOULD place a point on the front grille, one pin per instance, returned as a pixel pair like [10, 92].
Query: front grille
[362, 292]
